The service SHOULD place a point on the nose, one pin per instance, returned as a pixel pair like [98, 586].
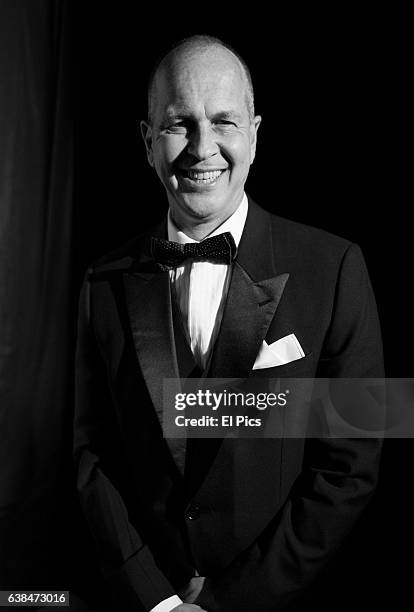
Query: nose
[202, 143]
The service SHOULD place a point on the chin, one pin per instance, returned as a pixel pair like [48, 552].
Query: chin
[201, 207]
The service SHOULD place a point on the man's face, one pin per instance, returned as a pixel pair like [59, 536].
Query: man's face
[202, 141]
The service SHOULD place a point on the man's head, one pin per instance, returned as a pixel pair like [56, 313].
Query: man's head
[201, 131]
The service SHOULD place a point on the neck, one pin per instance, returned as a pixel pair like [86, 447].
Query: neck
[199, 228]
[198, 231]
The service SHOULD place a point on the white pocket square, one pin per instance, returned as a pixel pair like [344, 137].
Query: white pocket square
[278, 353]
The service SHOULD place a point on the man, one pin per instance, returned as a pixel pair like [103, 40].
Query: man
[218, 525]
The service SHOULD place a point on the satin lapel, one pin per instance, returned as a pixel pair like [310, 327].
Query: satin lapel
[148, 298]
[150, 314]
[253, 297]
[249, 311]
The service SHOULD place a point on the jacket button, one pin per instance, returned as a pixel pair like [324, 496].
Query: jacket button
[192, 512]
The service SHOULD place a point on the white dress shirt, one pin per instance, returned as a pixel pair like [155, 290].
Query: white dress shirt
[200, 290]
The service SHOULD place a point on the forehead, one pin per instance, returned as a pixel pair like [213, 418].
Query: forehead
[213, 80]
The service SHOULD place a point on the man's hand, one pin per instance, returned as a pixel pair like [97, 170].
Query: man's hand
[192, 590]
[188, 608]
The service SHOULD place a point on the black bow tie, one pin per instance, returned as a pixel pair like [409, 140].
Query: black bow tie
[168, 254]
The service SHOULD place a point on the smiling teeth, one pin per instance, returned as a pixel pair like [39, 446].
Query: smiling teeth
[204, 177]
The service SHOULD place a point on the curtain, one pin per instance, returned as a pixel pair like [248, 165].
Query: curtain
[36, 296]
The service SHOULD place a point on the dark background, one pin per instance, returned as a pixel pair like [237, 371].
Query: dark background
[74, 183]
[332, 92]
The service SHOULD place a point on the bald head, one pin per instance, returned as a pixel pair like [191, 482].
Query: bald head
[199, 51]
[202, 132]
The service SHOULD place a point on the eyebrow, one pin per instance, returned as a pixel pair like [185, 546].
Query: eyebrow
[170, 115]
[225, 114]
[229, 114]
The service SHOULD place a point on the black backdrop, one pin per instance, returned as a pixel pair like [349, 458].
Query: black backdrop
[332, 92]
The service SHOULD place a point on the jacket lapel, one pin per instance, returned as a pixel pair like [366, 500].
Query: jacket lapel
[148, 298]
[253, 297]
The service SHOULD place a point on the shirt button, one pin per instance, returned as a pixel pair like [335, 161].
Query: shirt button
[192, 512]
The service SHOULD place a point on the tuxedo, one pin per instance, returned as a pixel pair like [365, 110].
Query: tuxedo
[260, 518]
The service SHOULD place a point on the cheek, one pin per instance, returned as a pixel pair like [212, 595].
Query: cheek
[238, 151]
[168, 149]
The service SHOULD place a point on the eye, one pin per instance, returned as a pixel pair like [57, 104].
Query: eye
[224, 122]
[177, 126]
[224, 126]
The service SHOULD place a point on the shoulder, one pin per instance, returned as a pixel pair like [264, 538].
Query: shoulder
[294, 235]
[294, 241]
[315, 258]
[121, 258]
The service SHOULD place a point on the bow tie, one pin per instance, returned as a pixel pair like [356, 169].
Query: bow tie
[168, 254]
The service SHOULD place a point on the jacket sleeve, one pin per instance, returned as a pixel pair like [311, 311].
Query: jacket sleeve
[126, 561]
[337, 480]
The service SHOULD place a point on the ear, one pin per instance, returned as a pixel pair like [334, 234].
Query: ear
[146, 133]
[254, 126]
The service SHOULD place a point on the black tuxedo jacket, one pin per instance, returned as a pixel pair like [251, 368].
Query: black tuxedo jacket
[259, 518]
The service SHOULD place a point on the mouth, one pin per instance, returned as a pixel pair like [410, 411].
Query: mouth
[202, 177]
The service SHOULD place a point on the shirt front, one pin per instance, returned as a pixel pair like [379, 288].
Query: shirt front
[200, 287]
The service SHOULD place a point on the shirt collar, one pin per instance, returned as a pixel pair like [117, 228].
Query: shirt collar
[234, 224]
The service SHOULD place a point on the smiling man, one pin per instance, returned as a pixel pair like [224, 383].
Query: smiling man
[201, 135]
[221, 289]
